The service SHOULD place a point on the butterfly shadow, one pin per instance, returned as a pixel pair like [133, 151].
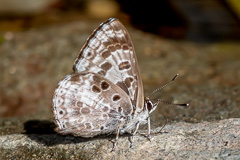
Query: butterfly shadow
[42, 131]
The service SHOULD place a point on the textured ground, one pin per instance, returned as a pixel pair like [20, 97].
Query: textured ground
[32, 62]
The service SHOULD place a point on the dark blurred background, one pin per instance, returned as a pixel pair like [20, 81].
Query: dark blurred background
[198, 20]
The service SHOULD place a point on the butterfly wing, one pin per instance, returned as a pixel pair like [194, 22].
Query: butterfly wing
[109, 52]
[87, 104]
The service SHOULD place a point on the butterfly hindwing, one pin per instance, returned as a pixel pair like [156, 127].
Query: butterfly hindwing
[109, 52]
[87, 104]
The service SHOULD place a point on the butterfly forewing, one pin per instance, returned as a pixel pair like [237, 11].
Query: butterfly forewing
[109, 52]
[105, 90]
[87, 104]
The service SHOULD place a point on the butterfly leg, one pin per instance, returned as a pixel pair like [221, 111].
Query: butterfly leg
[116, 139]
[149, 129]
[133, 134]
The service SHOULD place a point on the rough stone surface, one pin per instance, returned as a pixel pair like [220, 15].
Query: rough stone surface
[206, 140]
[33, 61]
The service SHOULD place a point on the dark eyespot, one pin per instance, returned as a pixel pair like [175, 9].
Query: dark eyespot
[101, 127]
[119, 109]
[61, 112]
[104, 85]
[89, 54]
[116, 98]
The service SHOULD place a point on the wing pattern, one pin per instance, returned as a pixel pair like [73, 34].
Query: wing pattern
[109, 52]
[86, 104]
[105, 90]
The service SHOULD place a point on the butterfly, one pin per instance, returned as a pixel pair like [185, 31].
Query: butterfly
[104, 94]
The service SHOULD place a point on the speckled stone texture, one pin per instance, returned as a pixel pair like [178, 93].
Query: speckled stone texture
[206, 140]
[33, 61]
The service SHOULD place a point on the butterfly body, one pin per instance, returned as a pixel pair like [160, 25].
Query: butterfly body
[104, 94]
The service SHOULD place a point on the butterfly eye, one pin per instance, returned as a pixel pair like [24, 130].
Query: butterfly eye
[149, 105]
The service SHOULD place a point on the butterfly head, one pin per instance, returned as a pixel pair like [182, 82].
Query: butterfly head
[149, 105]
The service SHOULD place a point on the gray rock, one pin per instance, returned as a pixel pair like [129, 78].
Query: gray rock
[205, 140]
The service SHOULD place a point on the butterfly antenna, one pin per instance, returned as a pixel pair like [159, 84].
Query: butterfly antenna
[165, 118]
[166, 102]
[154, 91]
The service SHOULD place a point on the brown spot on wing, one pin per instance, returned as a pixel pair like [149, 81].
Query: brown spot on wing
[119, 109]
[96, 79]
[74, 78]
[118, 46]
[102, 73]
[89, 54]
[85, 110]
[112, 48]
[106, 66]
[104, 85]
[116, 98]
[96, 89]
[124, 65]
[128, 81]
[79, 104]
[125, 47]
[105, 109]
[106, 54]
